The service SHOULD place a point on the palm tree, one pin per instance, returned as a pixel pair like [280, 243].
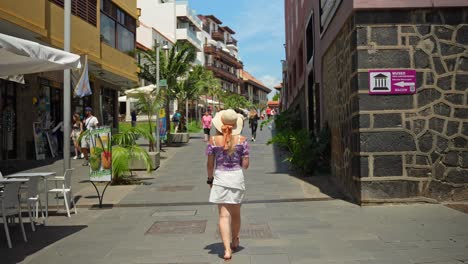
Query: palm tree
[173, 65]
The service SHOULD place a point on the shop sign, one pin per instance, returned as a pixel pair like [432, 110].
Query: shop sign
[100, 158]
[163, 83]
[392, 81]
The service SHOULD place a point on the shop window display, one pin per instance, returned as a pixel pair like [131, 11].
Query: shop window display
[7, 120]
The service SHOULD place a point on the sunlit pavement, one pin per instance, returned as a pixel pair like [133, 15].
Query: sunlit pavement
[285, 220]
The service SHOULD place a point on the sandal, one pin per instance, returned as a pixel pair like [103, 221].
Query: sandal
[235, 246]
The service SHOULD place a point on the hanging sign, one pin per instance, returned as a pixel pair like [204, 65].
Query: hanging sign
[100, 157]
[392, 81]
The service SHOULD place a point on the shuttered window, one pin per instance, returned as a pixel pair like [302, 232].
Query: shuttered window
[84, 9]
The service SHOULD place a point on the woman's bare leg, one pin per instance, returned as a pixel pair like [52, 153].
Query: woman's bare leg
[234, 211]
[225, 228]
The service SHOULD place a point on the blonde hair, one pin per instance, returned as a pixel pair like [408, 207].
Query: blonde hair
[231, 146]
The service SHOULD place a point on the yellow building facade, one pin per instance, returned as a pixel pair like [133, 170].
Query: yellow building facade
[104, 30]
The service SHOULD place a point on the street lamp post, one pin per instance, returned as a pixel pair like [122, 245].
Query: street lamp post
[158, 140]
[66, 88]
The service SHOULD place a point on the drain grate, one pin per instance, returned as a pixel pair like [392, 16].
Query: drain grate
[175, 188]
[177, 227]
[254, 231]
[459, 207]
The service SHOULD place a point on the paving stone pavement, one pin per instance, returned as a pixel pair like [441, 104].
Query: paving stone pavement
[286, 220]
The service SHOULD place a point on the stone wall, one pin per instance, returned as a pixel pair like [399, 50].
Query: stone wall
[414, 145]
[340, 109]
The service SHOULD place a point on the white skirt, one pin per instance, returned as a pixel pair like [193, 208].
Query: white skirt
[226, 195]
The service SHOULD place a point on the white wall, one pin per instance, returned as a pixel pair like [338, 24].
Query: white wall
[160, 16]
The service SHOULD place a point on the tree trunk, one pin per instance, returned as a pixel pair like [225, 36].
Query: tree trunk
[168, 120]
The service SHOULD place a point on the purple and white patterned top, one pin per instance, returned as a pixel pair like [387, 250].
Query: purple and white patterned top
[226, 162]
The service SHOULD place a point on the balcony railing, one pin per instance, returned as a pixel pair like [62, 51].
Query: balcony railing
[189, 13]
[188, 34]
[232, 41]
[222, 72]
[224, 56]
[217, 35]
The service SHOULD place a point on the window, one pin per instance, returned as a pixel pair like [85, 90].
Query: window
[328, 9]
[310, 38]
[117, 27]
[84, 9]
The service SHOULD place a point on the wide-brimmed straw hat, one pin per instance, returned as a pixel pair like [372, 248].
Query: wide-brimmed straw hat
[228, 117]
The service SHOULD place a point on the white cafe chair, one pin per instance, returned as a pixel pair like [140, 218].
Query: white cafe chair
[10, 206]
[65, 189]
[33, 201]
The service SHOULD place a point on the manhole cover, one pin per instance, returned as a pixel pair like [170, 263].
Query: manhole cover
[459, 207]
[174, 213]
[176, 188]
[254, 231]
[177, 227]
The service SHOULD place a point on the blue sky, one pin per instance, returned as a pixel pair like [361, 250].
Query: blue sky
[259, 26]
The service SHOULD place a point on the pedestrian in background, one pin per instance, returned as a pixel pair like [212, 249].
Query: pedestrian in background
[77, 129]
[253, 122]
[134, 118]
[176, 120]
[228, 156]
[206, 123]
[91, 122]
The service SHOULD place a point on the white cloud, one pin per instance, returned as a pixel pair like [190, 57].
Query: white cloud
[270, 81]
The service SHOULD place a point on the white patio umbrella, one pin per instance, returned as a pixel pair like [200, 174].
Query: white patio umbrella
[145, 90]
[19, 56]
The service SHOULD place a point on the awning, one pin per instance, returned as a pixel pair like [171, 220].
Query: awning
[145, 89]
[19, 56]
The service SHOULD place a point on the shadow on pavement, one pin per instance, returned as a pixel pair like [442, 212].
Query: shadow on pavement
[218, 249]
[43, 237]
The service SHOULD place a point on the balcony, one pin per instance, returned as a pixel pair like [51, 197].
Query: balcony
[186, 14]
[232, 41]
[222, 73]
[190, 36]
[218, 35]
[224, 56]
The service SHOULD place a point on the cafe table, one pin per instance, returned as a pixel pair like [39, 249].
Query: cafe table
[43, 175]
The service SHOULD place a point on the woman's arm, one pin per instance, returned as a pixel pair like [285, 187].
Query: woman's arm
[245, 163]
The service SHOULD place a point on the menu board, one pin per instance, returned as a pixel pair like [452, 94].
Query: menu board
[100, 154]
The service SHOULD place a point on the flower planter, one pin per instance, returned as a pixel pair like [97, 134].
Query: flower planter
[140, 165]
[179, 138]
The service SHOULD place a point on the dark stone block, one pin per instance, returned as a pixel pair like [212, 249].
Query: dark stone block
[461, 82]
[404, 41]
[423, 29]
[457, 176]
[437, 124]
[388, 166]
[430, 78]
[442, 109]
[426, 111]
[451, 64]
[386, 102]
[447, 49]
[465, 129]
[383, 59]
[419, 80]
[364, 121]
[464, 159]
[439, 170]
[419, 126]
[421, 60]
[460, 142]
[387, 141]
[422, 160]
[445, 83]
[442, 143]
[382, 17]
[456, 99]
[440, 191]
[443, 32]
[361, 35]
[452, 128]
[461, 113]
[413, 40]
[463, 64]
[433, 17]
[409, 159]
[451, 159]
[387, 120]
[363, 81]
[384, 35]
[389, 189]
[407, 29]
[419, 172]
[425, 142]
[462, 35]
[438, 65]
[435, 156]
[452, 16]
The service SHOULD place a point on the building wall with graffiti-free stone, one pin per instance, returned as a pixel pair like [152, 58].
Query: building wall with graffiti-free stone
[409, 146]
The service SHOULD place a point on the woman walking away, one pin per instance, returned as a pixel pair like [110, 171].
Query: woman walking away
[253, 122]
[75, 134]
[228, 155]
[206, 122]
